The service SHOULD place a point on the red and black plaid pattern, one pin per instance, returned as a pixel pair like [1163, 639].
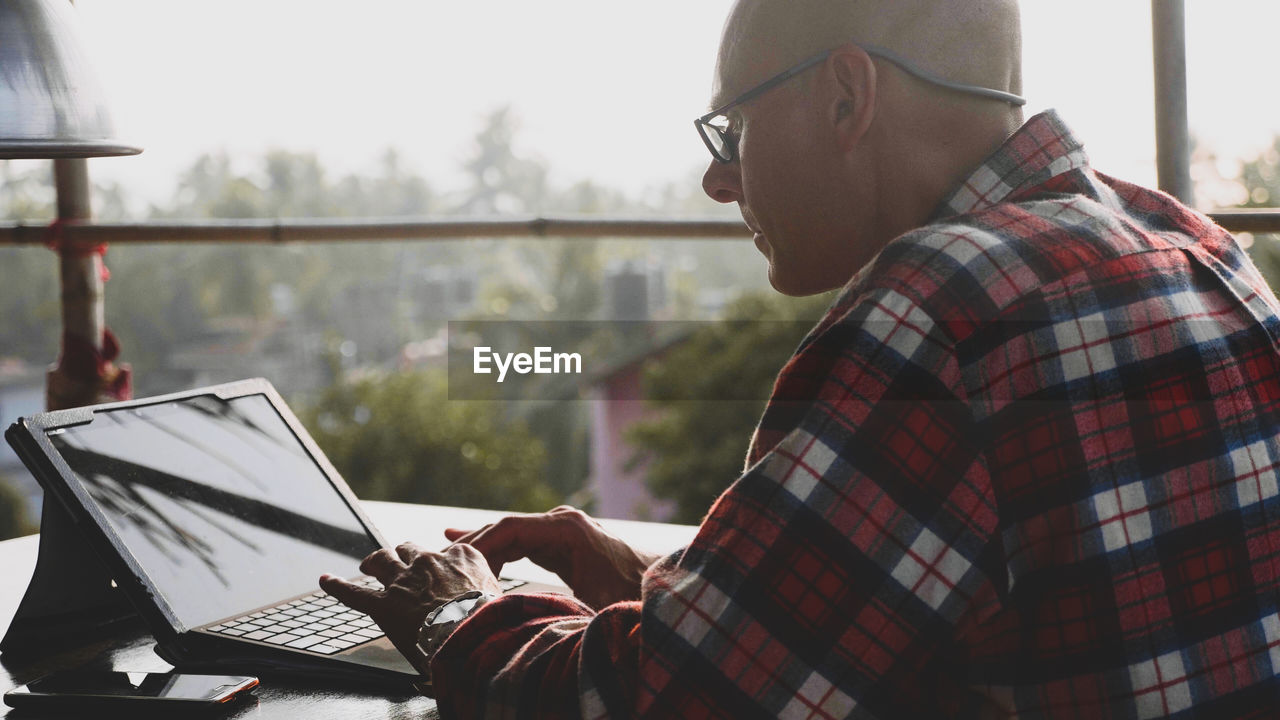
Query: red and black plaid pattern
[1025, 467]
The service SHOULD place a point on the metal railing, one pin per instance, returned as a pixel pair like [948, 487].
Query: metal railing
[1250, 221]
[582, 227]
[309, 231]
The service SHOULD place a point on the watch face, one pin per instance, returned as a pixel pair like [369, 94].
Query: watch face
[454, 611]
[457, 609]
[440, 624]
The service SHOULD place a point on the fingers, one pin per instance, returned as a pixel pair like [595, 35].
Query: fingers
[504, 540]
[574, 515]
[454, 534]
[355, 597]
[407, 551]
[458, 535]
[464, 536]
[549, 539]
[465, 552]
[382, 564]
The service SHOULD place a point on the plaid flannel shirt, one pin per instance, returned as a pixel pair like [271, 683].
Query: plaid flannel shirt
[1025, 466]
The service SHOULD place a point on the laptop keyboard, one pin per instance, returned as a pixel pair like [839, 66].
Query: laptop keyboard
[317, 622]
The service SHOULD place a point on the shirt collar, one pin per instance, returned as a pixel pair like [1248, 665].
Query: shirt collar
[1043, 148]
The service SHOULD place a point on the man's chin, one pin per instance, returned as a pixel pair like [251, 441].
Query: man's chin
[787, 285]
[791, 285]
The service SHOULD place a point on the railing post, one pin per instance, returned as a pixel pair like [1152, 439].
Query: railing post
[1173, 136]
[84, 374]
[83, 310]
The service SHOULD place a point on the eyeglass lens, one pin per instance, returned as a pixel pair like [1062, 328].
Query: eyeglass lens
[717, 139]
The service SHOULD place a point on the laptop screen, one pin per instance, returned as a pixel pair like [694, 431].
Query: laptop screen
[218, 502]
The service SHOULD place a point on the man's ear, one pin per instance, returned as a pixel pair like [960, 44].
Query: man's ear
[853, 99]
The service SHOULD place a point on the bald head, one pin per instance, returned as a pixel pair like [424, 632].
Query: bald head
[840, 158]
[974, 42]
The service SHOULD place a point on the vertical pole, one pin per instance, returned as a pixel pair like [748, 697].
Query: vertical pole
[83, 307]
[1173, 135]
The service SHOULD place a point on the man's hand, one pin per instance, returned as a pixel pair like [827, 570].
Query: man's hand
[598, 567]
[414, 581]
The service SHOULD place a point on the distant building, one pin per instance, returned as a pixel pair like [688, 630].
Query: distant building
[367, 314]
[294, 359]
[617, 481]
[636, 290]
[445, 293]
[428, 352]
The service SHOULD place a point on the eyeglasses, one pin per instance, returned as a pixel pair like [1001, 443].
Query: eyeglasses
[714, 127]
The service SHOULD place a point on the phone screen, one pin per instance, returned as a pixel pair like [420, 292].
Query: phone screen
[158, 686]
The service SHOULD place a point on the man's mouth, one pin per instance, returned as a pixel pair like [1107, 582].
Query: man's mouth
[761, 244]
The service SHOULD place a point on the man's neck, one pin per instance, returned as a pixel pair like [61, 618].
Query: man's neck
[940, 157]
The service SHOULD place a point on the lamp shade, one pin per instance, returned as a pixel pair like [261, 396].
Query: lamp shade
[50, 103]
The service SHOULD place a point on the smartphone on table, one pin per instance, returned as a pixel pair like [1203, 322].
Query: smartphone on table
[128, 692]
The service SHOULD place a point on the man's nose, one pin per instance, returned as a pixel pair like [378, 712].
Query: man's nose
[722, 182]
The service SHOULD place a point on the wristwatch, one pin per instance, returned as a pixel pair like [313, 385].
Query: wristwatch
[441, 622]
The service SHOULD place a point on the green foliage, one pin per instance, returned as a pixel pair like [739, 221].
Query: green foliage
[29, 304]
[168, 302]
[13, 514]
[711, 390]
[294, 185]
[163, 297]
[29, 284]
[27, 195]
[1261, 180]
[502, 182]
[398, 437]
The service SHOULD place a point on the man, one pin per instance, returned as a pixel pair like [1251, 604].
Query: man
[1025, 466]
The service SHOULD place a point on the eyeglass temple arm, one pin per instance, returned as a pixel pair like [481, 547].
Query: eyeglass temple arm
[909, 68]
[906, 65]
[767, 85]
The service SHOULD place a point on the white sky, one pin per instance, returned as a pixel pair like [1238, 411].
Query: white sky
[605, 91]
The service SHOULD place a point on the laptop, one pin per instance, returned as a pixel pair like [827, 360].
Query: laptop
[215, 512]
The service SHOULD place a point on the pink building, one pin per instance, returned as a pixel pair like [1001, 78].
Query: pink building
[616, 484]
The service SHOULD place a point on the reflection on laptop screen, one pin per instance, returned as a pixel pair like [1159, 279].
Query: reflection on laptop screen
[218, 502]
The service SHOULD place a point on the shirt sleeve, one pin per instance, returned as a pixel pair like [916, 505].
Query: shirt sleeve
[516, 652]
[828, 581]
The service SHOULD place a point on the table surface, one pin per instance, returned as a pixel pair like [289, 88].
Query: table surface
[130, 648]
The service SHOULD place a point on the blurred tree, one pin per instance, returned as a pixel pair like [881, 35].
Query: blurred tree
[394, 192]
[1261, 180]
[296, 186]
[29, 304]
[165, 299]
[13, 514]
[27, 195]
[29, 291]
[110, 202]
[711, 390]
[502, 182]
[1261, 177]
[398, 437]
